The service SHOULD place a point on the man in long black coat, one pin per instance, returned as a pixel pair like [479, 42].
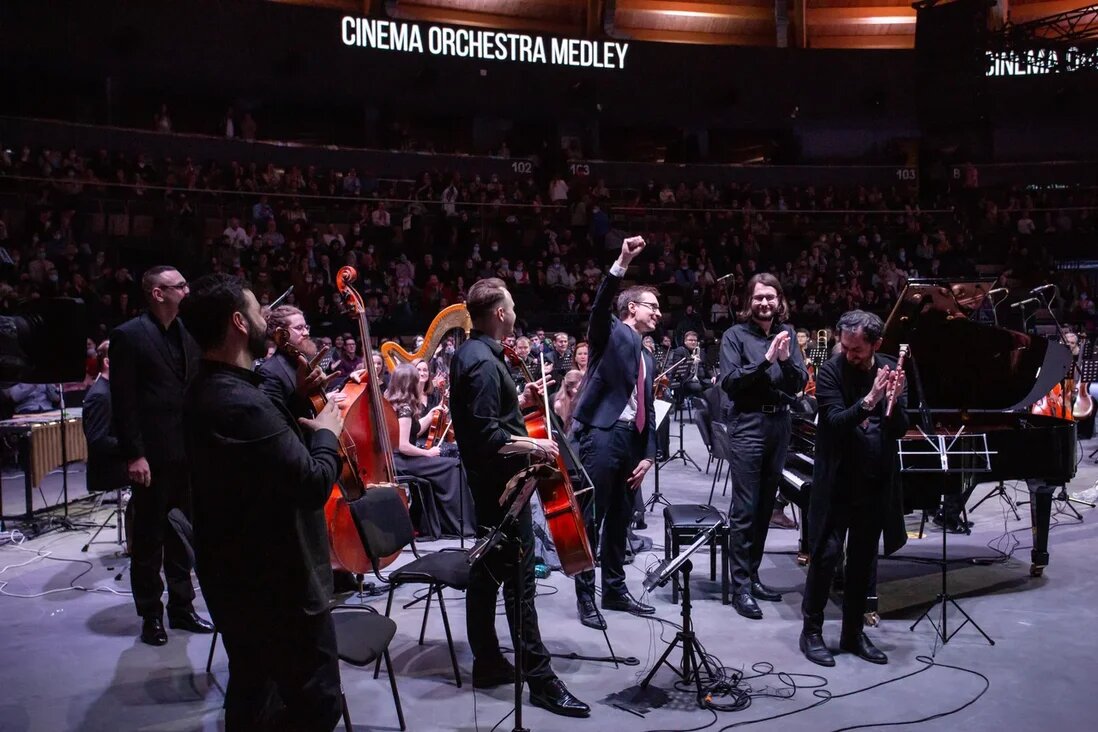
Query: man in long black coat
[855, 492]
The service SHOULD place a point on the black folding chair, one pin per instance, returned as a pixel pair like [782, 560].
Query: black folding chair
[386, 528]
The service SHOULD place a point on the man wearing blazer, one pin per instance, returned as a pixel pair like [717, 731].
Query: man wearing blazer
[153, 360]
[615, 427]
[106, 469]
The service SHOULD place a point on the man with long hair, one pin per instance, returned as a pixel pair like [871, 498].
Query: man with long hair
[763, 373]
[491, 435]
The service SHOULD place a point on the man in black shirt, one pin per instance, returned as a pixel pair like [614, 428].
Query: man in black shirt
[261, 541]
[854, 495]
[494, 446]
[763, 373]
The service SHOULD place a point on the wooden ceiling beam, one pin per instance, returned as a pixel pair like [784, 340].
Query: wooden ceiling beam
[427, 14]
[711, 39]
[696, 10]
[859, 15]
[862, 42]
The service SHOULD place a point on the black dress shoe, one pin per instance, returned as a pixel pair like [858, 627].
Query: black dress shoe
[761, 592]
[490, 674]
[814, 649]
[189, 620]
[862, 647]
[628, 604]
[152, 631]
[555, 697]
[746, 606]
[589, 615]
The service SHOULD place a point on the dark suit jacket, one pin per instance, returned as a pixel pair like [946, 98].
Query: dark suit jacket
[840, 413]
[106, 466]
[147, 390]
[612, 368]
[279, 382]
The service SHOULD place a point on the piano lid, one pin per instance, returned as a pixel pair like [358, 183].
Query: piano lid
[963, 364]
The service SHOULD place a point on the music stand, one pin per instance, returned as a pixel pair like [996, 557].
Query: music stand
[693, 656]
[946, 454]
[662, 408]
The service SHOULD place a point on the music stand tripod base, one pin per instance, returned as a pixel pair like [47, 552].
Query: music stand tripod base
[963, 454]
[693, 656]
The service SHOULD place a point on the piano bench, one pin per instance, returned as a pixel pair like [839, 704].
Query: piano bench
[682, 523]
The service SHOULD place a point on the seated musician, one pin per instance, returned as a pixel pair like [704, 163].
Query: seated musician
[106, 465]
[33, 398]
[448, 511]
[564, 403]
[429, 392]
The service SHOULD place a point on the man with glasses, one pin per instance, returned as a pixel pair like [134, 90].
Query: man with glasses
[615, 426]
[153, 361]
[347, 361]
[763, 373]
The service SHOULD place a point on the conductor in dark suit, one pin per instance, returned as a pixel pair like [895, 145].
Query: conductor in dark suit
[614, 424]
[855, 494]
[106, 466]
[153, 359]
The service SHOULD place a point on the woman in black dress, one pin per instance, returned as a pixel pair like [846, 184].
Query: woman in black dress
[448, 510]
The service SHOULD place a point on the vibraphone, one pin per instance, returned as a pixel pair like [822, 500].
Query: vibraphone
[40, 452]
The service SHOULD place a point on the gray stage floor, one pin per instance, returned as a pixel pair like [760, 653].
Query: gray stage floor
[72, 661]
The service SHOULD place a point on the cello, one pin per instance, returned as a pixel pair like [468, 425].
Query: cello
[563, 514]
[369, 429]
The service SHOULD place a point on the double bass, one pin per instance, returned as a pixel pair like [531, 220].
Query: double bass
[370, 428]
[563, 514]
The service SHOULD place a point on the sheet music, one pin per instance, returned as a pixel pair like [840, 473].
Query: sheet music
[662, 407]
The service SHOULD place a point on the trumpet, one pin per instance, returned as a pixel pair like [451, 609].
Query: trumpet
[893, 392]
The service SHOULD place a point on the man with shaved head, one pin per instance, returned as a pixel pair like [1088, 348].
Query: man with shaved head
[153, 360]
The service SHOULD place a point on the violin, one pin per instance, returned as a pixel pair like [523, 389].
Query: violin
[563, 514]
[441, 428]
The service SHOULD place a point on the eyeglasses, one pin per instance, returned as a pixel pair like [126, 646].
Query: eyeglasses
[650, 305]
[300, 328]
[181, 286]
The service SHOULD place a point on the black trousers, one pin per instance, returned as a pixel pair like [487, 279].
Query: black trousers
[485, 579]
[610, 456]
[283, 670]
[155, 543]
[858, 524]
[759, 444]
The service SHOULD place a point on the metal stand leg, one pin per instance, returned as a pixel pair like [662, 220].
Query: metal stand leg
[945, 599]
[1000, 491]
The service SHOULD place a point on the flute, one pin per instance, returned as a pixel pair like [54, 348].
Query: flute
[893, 392]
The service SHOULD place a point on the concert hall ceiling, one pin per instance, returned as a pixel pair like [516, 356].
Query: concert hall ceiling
[804, 23]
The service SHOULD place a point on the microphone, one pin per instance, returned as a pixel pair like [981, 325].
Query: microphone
[997, 291]
[1042, 288]
[1023, 303]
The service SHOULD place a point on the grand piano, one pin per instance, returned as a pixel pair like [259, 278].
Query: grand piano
[977, 376]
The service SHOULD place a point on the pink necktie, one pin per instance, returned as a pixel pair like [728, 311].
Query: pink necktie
[640, 393]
